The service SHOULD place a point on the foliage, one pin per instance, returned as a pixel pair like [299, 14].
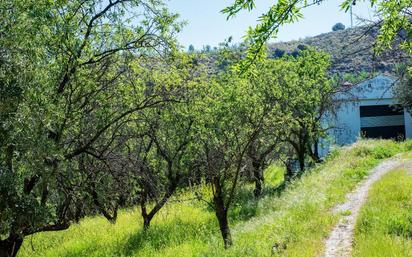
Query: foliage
[100, 112]
[66, 70]
[207, 49]
[164, 155]
[299, 94]
[278, 53]
[123, 119]
[191, 49]
[224, 134]
[403, 89]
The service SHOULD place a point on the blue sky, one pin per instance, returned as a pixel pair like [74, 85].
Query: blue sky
[207, 26]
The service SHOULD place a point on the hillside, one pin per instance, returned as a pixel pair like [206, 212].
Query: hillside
[351, 50]
[291, 222]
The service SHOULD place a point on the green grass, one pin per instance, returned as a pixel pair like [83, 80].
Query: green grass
[292, 222]
[384, 226]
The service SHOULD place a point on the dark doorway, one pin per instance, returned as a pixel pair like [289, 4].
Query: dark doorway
[382, 121]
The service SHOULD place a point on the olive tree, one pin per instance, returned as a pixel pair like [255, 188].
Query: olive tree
[298, 93]
[224, 136]
[307, 95]
[162, 155]
[66, 102]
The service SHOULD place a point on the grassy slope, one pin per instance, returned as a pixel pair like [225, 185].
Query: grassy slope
[384, 227]
[291, 224]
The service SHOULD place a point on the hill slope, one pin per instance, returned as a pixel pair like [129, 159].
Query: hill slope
[351, 50]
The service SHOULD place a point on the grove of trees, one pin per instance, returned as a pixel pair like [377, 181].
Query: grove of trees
[99, 110]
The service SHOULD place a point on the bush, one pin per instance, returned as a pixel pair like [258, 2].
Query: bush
[278, 53]
[295, 53]
[338, 26]
[301, 47]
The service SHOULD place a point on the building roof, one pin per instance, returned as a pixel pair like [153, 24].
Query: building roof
[379, 87]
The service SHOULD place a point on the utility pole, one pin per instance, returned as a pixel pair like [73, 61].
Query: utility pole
[351, 12]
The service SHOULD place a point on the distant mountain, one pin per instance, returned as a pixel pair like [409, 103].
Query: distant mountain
[351, 50]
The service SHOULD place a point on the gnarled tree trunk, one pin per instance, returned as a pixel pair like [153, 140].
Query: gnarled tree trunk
[301, 159]
[148, 216]
[289, 170]
[257, 177]
[221, 214]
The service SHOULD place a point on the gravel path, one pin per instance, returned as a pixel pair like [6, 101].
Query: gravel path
[339, 242]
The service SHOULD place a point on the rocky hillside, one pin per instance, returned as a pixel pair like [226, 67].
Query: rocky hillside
[351, 50]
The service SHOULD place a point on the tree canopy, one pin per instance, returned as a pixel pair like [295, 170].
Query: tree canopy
[68, 84]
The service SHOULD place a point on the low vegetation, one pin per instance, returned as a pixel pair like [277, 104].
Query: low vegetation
[384, 227]
[286, 221]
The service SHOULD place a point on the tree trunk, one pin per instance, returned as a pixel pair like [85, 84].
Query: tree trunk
[314, 153]
[258, 187]
[9, 247]
[221, 214]
[316, 149]
[224, 229]
[147, 217]
[300, 150]
[146, 222]
[289, 170]
[301, 159]
[258, 178]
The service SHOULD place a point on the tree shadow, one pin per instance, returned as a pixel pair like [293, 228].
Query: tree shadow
[172, 233]
[246, 204]
[178, 230]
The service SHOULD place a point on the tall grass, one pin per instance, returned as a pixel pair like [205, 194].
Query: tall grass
[292, 222]
[384, 227]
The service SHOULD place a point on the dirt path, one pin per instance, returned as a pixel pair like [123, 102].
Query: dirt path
[339, 242]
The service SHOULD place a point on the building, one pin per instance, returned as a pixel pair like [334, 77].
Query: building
[368, 110]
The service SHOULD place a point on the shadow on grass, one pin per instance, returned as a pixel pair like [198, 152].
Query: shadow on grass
[246, 204]
[177, 231]
[172, 233]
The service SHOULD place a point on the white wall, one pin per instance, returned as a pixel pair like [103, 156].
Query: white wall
[408, 124]
[346, 123]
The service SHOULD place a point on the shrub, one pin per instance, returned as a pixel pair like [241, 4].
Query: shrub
[278, 53]
[301, 47]
[338, 26]
[295, 53]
